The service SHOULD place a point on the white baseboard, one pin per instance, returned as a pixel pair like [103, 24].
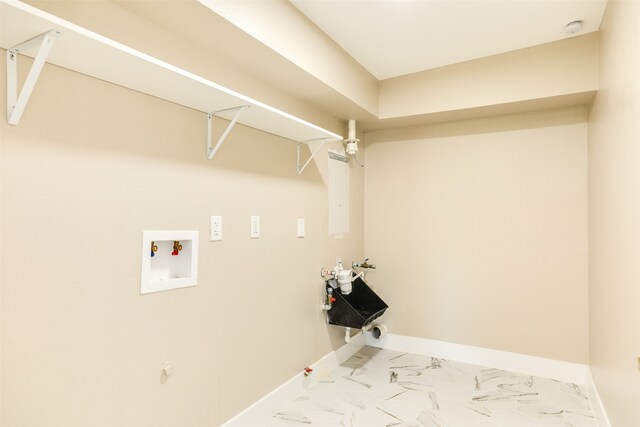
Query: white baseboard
[601, 413]
[530, 365]
[264, 408]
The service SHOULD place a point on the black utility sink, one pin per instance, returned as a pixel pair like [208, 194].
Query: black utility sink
[361, 307]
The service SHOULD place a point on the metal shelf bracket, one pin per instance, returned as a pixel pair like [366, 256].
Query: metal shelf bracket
[313, 153]
[211, 151]
[16, 103]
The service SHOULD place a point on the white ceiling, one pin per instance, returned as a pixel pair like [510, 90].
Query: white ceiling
[397, 37]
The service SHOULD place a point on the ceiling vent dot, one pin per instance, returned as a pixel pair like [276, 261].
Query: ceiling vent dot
[573, 27]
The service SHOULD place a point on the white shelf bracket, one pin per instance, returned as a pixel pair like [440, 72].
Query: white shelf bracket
[211, 151]
[16, 103]
[313, 153]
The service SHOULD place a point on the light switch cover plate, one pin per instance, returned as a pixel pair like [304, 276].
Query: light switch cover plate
[216, 228]
[255, 227]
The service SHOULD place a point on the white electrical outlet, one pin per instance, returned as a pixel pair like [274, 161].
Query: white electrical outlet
[255, 227]
[301, 227]
[216, 228]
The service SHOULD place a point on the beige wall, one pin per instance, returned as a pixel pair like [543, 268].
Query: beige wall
[480, 231]
[614, 216]
[89, 167]
[546, 71]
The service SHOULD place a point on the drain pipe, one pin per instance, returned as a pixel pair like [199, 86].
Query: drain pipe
[347, 333]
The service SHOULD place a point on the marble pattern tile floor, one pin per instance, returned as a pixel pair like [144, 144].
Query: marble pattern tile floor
[384, 388]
